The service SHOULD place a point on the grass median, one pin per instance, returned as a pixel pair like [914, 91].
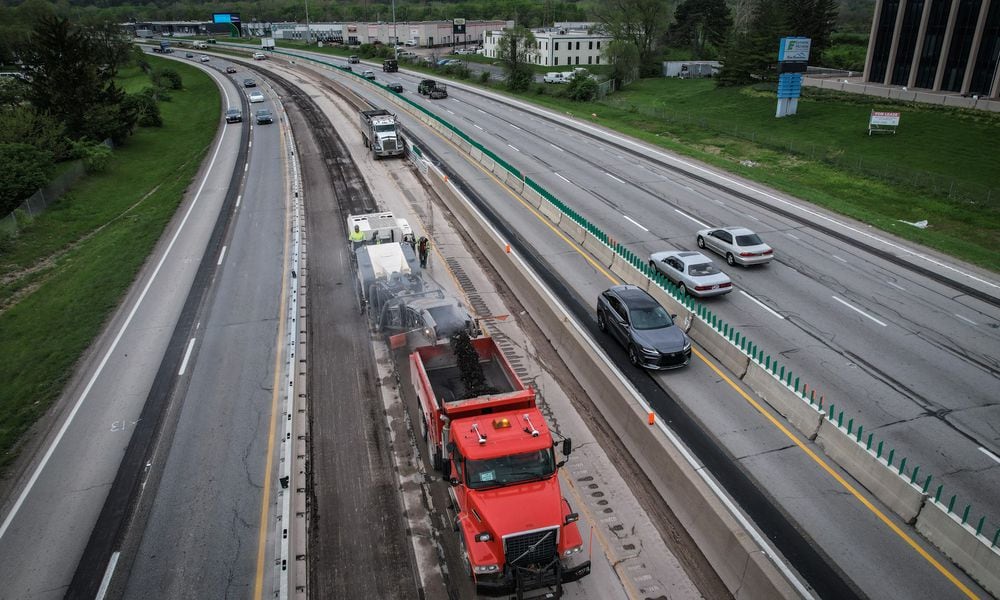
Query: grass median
[67, 271]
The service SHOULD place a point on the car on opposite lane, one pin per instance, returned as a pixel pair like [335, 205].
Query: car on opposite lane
[693, 272]
[256, 96]
[249, 82]
[264, 116]
[739, 245]
[230, 69]
[234, 115]
[396, 87]
[368, 74]
[646, 330]
[204, 58]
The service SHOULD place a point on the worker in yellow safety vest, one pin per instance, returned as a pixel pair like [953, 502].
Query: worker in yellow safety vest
[357, 238]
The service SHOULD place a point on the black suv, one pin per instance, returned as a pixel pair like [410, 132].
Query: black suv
[634, 318]
[425, 86]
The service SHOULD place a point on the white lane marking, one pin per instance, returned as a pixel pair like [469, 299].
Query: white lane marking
[762, 305]
[187, 355]
[793, 236]
[631, 220]
[449, 110]
[515, 127]
[563, 178]
[250, 145]
[739, 184]
[246, 167]
[556, 147]
[898, 287]
[107, 355]
[106, 581]
[753, 217]
[859, 311]
[613, 177]
[967, 320]
[222, 255]
[478, 127]
[687, 216]
[513, 148]
[990, 454]
[481, 110]
[838, 258]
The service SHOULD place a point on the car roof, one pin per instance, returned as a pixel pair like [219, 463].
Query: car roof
[634, 296]
[738, 230]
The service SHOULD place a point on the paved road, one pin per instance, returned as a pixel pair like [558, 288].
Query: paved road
[54, 502]
[834, 520]
[201, 536]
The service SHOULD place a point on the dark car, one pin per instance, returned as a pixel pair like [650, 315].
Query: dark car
[234, 115]
[646, 330]
[396, 87]
[249, 83]
[264, 116]
[425, 86]
[230, 69]
[188, 55]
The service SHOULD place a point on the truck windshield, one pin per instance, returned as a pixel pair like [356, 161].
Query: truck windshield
[385, 128]
[514, 468]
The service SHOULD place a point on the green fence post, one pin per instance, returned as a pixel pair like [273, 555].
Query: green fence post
[878, 453]
[927, 483]
[965, 513]
[892, 452]
[850, 426]
[869, 445]
[937, 495]
[902, 465]
[951, 503]
[913, 476]
[782, 376]
[767, 362]
[979, 528]
[860, 429]
[796, 384]
[996, 536]
[840, 419]
[812, 396]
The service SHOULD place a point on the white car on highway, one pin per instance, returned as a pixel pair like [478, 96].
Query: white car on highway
[256, 96]
[739, 245]
[692, 272]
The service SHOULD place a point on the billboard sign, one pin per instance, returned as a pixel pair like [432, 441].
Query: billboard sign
[458, 26]
[231, 19]
[794, 49]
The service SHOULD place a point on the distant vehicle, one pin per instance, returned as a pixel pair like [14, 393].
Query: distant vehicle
[390, 65]
[693, 272]
[230, 69]
[200, 45]
[353, 59]
[407, 54]
[259, 56]
[368, 74]
[555, 77]
[432, 89]
[738, 244]
[396, 87]
[234, 115]
[204, 58]
[256, 96]
[264, 116]
[409, 43]
[248, 83]
[380, 133]
[648, 333]
[465, 51]
[163, 48]
[210, 40]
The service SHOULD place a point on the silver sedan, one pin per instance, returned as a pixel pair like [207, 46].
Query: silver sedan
[739, 245]
[693, 272]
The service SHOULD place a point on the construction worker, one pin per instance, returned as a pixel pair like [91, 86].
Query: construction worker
[357, 238]
[423, 249]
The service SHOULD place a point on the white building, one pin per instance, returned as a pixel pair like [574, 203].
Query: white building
[419, 33]
[558, 47]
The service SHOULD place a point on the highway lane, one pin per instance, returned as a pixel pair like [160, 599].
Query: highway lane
[913, 365]
[838, 526]
[201, 536]
[57, 497]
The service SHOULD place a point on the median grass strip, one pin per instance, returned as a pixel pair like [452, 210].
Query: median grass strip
[64, 275]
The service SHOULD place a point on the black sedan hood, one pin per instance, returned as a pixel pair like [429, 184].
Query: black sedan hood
[665, 339]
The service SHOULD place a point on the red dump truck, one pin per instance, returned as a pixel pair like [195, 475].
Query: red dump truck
[485, 433]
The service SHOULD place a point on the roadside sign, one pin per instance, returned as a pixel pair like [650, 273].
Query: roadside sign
[883, 122]
[458, 26]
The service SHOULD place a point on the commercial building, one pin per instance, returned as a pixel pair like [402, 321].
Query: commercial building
[418, 33]
[938, 45]
[559, 47]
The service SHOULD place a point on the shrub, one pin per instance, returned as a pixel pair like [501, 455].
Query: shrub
[167, 78]
[484, 77]
[95, 156]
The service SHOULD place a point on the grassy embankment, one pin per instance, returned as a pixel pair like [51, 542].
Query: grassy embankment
[62, 277]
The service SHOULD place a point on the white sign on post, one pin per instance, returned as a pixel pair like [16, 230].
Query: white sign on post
[883, 122]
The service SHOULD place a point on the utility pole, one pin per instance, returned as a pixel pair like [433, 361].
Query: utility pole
[395, 38]
[308, 31]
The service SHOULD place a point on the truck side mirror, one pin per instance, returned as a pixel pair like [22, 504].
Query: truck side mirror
[567, 446]
[453, 482]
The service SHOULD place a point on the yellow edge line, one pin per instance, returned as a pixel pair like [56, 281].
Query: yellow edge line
[895, 529]
[276, 390]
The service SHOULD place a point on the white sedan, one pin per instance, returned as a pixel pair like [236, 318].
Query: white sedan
[693, 272]
[739, 245]
[256, 96]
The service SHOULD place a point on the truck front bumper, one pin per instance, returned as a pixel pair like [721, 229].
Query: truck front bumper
[539, 580]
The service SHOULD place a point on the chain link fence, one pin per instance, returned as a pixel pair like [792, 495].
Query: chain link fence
[40, 200]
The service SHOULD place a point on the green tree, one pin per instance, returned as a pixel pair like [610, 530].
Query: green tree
[641, 23]
[581, 88]
[623, 57]
[516, 52]
[699, 25]
[751, 56]
[25, 169]
[814, 19]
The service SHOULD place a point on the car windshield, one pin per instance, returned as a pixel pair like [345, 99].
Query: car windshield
[514, 468]
[385, 128]
[702, 269]
[650, 317]
[748, 240]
